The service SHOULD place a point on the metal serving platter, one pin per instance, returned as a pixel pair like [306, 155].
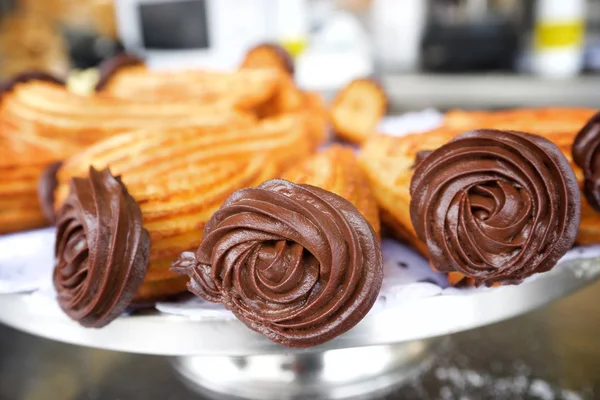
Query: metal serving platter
[160, 334]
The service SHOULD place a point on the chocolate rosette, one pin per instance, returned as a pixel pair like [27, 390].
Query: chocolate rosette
[102, 250]
[296, 263]
[586, 154]
[495, 206]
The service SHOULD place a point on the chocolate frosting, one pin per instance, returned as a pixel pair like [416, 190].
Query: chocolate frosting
[495, 206]
[586, 154]
[102, 250]
[28, 76]
[108, 68]
[295, 263]
[46, 186]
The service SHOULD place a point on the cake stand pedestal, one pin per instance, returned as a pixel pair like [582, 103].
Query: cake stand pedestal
[360, 372]
[225, 359]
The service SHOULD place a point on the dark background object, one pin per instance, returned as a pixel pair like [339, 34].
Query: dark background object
[473, 35]
[7, 6]
[475, 47]
[175, 25]
[87, 49]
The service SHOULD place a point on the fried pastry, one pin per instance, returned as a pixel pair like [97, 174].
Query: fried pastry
[269, 55]
[357, 109]
[336, 170]
[286, 99]
[44, 110]
[111, 67]
[21, 164]
[317, 108]
[47, 123]
[245, 89]
[179, 177]
[389, 162]
[541, 121]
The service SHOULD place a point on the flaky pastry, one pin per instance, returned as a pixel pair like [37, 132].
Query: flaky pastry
[180, 176]
[357, 109]
[269, 55]
[21, 163]
[389, 161]
[43, 110]
[336, 170]
[245, 88]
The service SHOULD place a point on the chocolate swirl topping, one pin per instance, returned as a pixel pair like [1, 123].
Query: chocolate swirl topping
[102, 250]
[495, 206]
[586, 154]
[296, 263]
[108, 68]
[45, 190]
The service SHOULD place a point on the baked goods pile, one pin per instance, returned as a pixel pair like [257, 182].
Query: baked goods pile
[389, 162]
[225, 184]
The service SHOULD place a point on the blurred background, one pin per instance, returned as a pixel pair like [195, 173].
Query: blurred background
[440, 53]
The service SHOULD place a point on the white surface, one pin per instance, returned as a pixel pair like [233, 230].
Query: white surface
[560, 10]
[563, 61]
[397, 27]
[412, 122]
[233, 26]
[291, 18]
[26, 260]
[338, 53]
[328, 70]
[559, 62]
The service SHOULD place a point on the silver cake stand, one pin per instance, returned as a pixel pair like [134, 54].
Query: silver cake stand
[224, 359]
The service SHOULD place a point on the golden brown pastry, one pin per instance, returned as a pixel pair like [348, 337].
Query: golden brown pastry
[336, 170]
[21, 164]
[388, 161]
[47, 123]
[357, 109]
[31, 41]
[245, 89]
[316, 114]
[45, 110]
[287, 98]
[269, 55]
[265, 92]
[543, 121]
[180, 176]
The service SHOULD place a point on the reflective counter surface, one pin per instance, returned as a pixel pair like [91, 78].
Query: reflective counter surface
[553, 353]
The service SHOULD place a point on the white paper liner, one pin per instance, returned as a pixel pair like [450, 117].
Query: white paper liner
[26, 267]
[26, 260]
